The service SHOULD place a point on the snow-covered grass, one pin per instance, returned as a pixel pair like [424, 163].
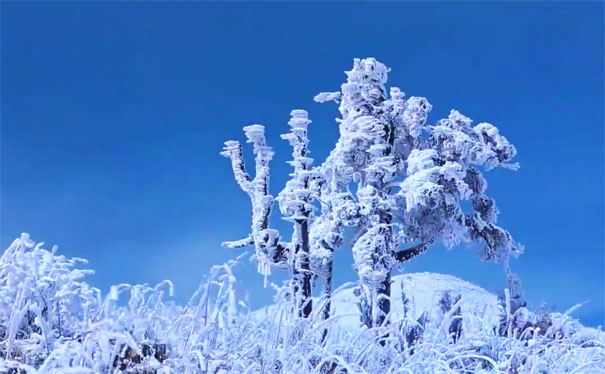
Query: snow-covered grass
[52, 321]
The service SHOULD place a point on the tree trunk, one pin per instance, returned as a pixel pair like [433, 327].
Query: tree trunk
[365, 305]
[383, 301]
[383, 292]
[328, 296]
[302, 270]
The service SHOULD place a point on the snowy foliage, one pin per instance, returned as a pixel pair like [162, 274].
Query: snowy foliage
[54, 323]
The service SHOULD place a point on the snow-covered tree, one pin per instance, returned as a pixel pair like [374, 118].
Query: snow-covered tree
[393, 184]
[269, 249]
[295, 204]
[400, 182]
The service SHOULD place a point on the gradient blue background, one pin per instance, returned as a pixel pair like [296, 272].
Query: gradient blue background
[113, 116]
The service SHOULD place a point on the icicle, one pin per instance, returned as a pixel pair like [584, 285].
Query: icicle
[264, 269]
[113, 293]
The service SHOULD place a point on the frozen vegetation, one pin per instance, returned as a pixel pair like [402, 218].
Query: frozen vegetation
[51, 321]
[394, 184]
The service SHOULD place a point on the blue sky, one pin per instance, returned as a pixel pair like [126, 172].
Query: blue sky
[113, 116]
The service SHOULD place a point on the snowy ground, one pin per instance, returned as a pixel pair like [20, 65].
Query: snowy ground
[423, 291]
[53, 322]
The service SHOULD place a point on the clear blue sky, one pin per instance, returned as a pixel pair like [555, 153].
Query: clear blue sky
[113, 116]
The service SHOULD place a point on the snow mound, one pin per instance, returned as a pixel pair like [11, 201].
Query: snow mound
[423, 291]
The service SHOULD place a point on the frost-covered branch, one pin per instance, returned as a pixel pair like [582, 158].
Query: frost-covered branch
[266, 241]
[392, 180]
[412, 178]
[295, 203]
[364, 154]
[239, 243]
[233, 151]
[404, 255]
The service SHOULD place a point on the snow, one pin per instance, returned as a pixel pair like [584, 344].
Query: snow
[423, 290]
[410, 180]
[393, 185]
[53, 322]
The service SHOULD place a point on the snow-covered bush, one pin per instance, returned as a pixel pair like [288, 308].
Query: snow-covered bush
[134, 329]
[42, 298]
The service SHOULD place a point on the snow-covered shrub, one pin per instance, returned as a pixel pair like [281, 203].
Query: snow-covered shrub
[136, 329]
[42, 298]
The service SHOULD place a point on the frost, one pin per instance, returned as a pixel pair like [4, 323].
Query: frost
[394, 183]
[56, 323]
